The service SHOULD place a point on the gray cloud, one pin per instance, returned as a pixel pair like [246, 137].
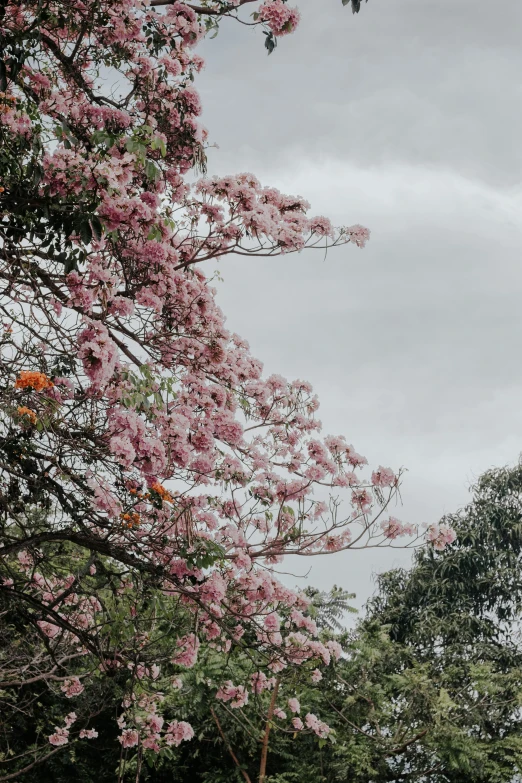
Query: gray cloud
[407, 119]
[410, 81]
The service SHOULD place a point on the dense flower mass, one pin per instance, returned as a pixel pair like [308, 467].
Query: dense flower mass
[32, 380]
[279, 17]
[143, 449]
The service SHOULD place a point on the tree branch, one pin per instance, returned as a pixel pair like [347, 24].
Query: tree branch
[264, 751]
[202, 10]
[30, 766]
[243, 772]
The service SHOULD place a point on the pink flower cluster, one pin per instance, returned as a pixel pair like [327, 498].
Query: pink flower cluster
[188, 647]
[383, 477]
[88, 734]
[440, 536]
[279, 17]
[392, 528]
[237, 695]
[72, 687]
[178, 732]
[98, 353]
[129, 738]
[317, 726]
[260, 682]
[61, 733]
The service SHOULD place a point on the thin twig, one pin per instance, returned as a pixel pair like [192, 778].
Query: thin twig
[236, 761]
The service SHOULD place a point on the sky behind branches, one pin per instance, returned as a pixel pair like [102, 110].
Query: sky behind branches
[406, 118]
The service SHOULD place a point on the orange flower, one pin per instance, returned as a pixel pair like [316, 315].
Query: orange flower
[130, 519]
[29, 379]
[160, 490]
[23, 411]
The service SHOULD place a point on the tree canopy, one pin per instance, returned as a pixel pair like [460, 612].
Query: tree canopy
[152, 476]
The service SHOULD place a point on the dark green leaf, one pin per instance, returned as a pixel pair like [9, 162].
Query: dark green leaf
[85, 231]
[97, 228]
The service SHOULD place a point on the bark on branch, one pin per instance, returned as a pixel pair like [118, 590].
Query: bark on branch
[199, 9]
[236, 761]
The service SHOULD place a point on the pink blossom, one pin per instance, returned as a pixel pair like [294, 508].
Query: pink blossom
[72, 687]
[147, 298]
[25, 559]
[281, 19]
[88, 734]
[178, 732]
[440, 536]
[123, 450]
[261, 682]
[98, 353]
[237, 695]
[164, 393]
[271, 622]
[129, 738]
[152, 742]
[358, 235]
[321, 226]
[393, 528]
[154, 722]
[70, 719]
[60, 736]
[189, 646]
[317, 726]
[335, 648]
[103, 499]
[383, 477]
[120, 305]
[49, 629]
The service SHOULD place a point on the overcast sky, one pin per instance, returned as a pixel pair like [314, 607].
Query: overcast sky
[406, 118]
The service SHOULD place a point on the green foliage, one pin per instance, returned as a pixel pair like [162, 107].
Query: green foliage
[429, 687]
[356, 5]
[328, 609]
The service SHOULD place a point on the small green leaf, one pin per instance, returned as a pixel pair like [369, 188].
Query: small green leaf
[85, 231]
[70, 264]
[151, 171]
[270, 42]
[96, 226]
[3, 76]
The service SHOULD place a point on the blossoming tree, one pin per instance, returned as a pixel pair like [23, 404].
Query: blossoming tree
[150, 474]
